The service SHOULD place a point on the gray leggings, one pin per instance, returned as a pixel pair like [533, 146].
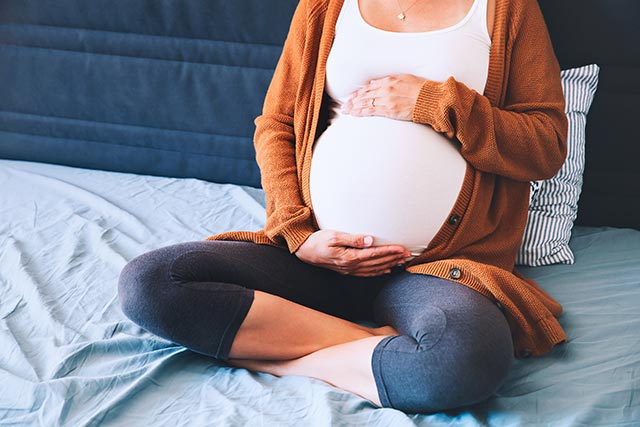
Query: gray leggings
[455, 348]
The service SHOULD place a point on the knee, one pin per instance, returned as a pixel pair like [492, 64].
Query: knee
[473, 377]
[138, 287]
[448, 375]
[447, 381]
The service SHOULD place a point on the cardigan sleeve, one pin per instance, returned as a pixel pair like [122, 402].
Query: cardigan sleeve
[288, 221]
[525, 139]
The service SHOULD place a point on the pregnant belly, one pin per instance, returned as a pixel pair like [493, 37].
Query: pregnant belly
[394, 180]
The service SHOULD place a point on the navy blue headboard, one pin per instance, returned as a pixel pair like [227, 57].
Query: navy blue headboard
[161, 87]
[171, 87]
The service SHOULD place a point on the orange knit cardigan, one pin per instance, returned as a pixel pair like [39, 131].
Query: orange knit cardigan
[513, 133]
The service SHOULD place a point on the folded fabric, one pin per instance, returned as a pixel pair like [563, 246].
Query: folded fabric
[553, 204]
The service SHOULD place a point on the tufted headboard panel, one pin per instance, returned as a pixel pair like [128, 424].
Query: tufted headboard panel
[161, 87]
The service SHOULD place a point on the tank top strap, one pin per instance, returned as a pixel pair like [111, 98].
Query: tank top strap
[478, 18]
[348, 8]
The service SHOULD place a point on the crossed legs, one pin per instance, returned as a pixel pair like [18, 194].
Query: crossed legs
[261, 308]
[317, 345]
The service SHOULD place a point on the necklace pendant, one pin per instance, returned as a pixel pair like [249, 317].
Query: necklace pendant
[401, 16]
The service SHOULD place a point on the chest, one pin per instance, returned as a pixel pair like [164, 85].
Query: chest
[420, 15]
[361, 52]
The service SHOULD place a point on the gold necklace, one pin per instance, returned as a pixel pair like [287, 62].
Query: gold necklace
[402, 15]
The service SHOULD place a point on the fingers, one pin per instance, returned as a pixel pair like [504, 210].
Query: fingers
[338, 238]
[386, 261]
[352, 254]
[365, 242]
[370, 261]
[392, 96]
[370, 272]
[365, 102]
[374, 269]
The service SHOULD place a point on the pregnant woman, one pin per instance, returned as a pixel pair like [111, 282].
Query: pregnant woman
[396, 146]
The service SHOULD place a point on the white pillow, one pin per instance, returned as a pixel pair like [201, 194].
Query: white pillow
[553, 204]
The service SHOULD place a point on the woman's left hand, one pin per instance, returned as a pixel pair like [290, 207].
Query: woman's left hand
[392, 96]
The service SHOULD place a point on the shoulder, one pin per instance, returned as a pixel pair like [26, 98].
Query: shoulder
[313, 10]
[516, 15]
[518, 4]
[519, 9]
[312, 7]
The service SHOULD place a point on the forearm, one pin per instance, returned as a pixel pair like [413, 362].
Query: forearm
[288, 218]
[525, 141]
[522, 135]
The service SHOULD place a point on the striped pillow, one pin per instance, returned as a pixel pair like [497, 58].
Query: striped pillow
[553, 202]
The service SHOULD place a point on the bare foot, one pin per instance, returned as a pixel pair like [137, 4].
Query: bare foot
[345, 366]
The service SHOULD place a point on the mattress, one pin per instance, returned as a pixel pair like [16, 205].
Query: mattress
[69, 357]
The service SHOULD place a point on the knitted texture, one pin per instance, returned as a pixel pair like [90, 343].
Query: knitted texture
[512, 134]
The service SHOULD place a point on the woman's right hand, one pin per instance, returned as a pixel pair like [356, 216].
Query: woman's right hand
[350, 253]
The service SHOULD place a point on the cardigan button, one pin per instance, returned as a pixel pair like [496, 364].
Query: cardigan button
[455, 273]
[454, 219]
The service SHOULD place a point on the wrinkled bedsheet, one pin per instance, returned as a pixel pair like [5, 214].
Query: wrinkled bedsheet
[69, 357]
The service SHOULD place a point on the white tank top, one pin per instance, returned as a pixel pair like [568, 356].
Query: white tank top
[395, 180]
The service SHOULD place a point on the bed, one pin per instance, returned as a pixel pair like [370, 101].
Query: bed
[110, 147]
